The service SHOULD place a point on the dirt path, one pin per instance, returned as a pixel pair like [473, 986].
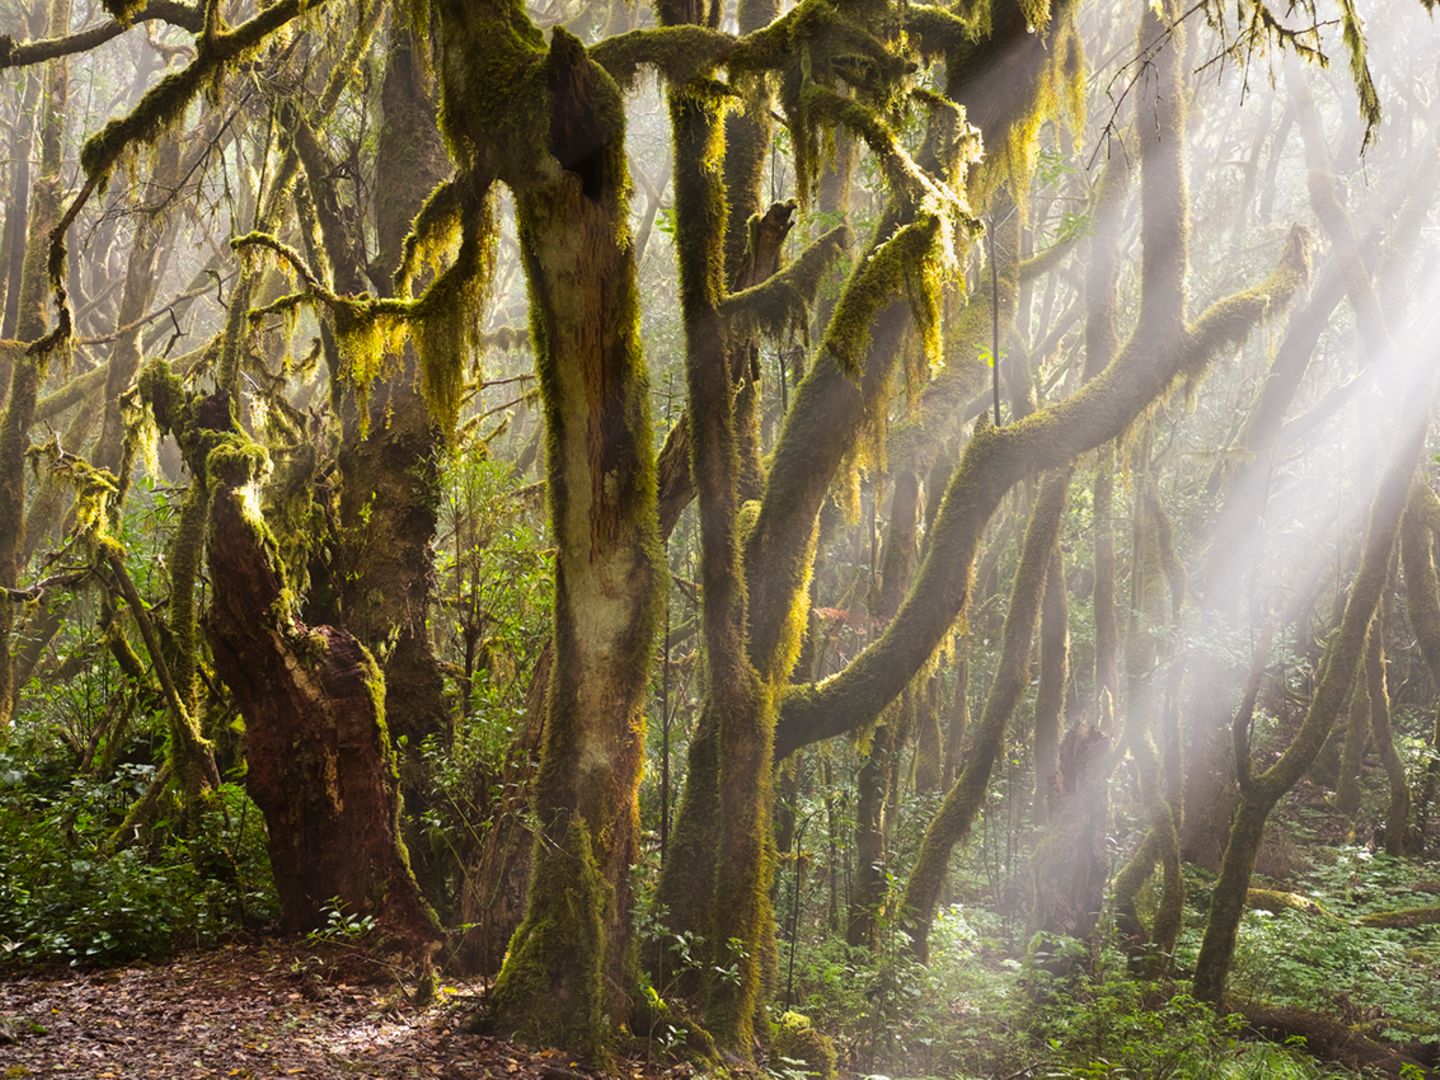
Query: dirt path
[251, 1013]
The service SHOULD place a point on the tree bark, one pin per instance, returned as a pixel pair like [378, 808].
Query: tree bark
[321, 764]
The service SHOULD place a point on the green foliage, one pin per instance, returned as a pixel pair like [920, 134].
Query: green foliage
[1120, 1027]
[65, 898]
[1387, 976]
[342, 926]
[494, 575]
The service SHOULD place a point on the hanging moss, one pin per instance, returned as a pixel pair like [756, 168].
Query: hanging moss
[906, 267]
[1045, 81]
[445, 322]
[782, 302]
[434, 236]
[123, 11]
[452, 315]
[163, 106]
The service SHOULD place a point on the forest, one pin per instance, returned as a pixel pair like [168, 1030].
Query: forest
[720, 538]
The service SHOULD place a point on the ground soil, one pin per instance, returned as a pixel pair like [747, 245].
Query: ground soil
[256, 1012]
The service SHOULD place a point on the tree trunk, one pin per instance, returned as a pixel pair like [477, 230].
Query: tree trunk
[27, 369]
[1050, 694]
[1397, 815]
[965, 800]
[321, 764]
[1071, 864]
[1260, 793]
[569, 973]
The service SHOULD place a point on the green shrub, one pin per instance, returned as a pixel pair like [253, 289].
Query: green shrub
[64, 898]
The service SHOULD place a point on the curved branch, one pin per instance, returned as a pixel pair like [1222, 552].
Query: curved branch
[994, 461]
[783, 298]
[165, 102]
[14, 54]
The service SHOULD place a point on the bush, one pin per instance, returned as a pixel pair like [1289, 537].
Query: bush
[64, 898]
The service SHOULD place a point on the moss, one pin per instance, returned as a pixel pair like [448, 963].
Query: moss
[444, 323]
[892, 272]
[679, 53]
[1403, 919]
[563, 931]
[1274, 900]
[1343, 658]
[782, 302]
[163, 105]
[434, 234]
[962, 804]
[940, 31]
[237, 462]
[123, 11]
[549, 123]
[1052, 90]
[452, 315]
[1397, 818]
[796, 1040]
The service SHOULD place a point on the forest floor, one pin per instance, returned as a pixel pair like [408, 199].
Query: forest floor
[253, 1012]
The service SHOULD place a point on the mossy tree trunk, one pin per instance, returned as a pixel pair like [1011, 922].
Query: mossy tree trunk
[27, 369]
[827, 417]
[873, 782]
[957, 725]
[1161, 350]
[154, 231]
[737, 715]
[1102, 343]
[1149, 735]
[1050, 693]
[963, 803]
[1344, 659]
[321, 764]
[570, 970]
[22, 139]
[929, 738]
[383, 562]
[1397, 813]
[1356, 738]
[1422, 605]
[1071, 863]
[824, 426]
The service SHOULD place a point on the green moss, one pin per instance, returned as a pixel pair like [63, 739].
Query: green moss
[549, 990]
[122, 11]
[1055, 92]
[679, 53]
[782, 302]
[796, 1040]
[1403, 919]
[433, 234]
[962, 804]
[900, 269]
[163, 106]
[1275, 900]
